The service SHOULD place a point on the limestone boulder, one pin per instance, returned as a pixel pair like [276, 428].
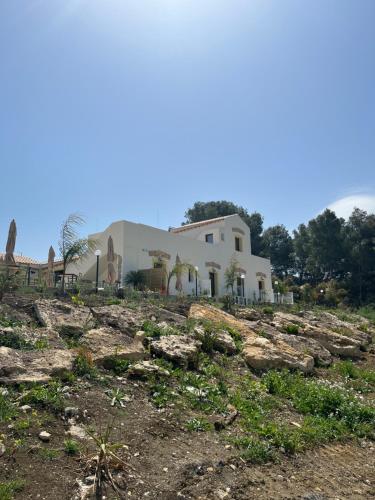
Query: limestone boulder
[221, 339]
[180, 349]
[106, 342]
[321, 355]
[221, 318]
[261, 353]
[62, 316]
[143, 369]
[33, 366]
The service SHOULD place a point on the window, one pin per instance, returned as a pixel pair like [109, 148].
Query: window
[191, 278]
[209, 238]
[238, 243]
[222, 236]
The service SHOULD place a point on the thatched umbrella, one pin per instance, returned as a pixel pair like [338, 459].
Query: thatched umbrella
[51, 259]
[11, 244]
[110, 260]
[178, 274]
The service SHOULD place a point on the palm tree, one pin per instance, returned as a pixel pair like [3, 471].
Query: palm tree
[70, 245]
[177, 270]
[135, 278]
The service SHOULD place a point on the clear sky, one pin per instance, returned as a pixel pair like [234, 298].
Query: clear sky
[135, 109]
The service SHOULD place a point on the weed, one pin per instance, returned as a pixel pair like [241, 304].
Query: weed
[71, 447]
[161, 394]
[291, 329]
[116, 364]
[268, 310]
[84, 364]
[254, 450]
[7, 409]
[45, 396]
[48, 454]
[9, 488]
[198, 425]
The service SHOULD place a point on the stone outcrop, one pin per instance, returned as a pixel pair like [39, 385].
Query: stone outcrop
[106, 342]
[221, 340]
[261, 353]
[321, 355]
[57, 314]
[180, 349]
[145, 368]
[33, 366]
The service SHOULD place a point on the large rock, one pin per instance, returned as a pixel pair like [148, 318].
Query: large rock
[261, 353]
[106, 342]
[221, 340]
[321, 355]
[60, 315]
[336, 343]
[180, 349]
[143, 369]
[33, 366]
[130, 320]
[218, 317]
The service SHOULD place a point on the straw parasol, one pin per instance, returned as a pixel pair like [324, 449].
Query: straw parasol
[110, 260]
[11, 244]
[51, 259]
[178, 274]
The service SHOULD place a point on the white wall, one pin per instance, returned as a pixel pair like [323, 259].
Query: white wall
[134, 241]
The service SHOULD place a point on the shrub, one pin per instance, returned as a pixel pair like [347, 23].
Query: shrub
[268, 310]
[136, 279]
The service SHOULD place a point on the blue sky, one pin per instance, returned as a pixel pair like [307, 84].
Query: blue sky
[134, 109]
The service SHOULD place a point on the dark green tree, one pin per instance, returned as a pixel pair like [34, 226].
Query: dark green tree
[302, 250]
[278, 246]
[326, 250]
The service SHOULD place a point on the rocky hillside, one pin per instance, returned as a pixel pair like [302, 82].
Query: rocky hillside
[132, 399]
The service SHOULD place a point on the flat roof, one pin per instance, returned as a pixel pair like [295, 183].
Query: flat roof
[193, 225]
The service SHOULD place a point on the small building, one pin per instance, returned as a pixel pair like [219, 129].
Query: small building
[208, 246]
[28, 266]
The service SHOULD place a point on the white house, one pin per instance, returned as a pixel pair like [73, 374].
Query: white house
[208, 246]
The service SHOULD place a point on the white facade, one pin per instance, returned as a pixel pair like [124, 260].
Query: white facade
[209, 245]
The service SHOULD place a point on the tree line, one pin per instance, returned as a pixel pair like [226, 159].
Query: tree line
[327, 259]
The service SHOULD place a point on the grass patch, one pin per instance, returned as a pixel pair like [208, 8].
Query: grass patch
[9, 488]
[48, 454]
[198, 425]
[361, 379]
[311, 397]
[71, 447]
[7, 409]
[291, 329]
[116, 364]
[254, 450]
[47, 396]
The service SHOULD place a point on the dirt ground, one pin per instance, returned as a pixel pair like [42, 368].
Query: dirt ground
[167, 462]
